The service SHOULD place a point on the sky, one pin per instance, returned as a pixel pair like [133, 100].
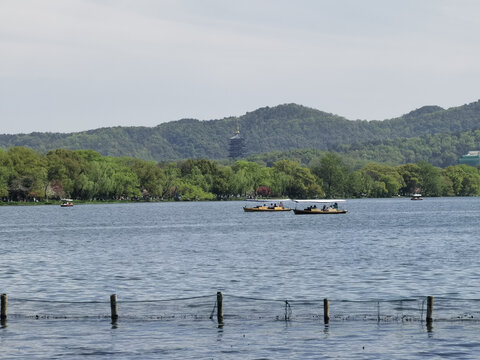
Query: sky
[74, 65]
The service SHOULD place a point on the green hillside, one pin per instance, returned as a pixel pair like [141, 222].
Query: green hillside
[440, 150]
[280, 128]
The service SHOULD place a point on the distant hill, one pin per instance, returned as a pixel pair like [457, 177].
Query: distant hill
[280, 128]
[440, 150]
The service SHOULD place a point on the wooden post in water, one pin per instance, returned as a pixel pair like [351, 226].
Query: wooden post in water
[219, 307]
[326, 311]
[429, 309]
[3, 306]
[114, 307]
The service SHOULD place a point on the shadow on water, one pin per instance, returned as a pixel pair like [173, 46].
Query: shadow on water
[220, 333]
[326, 329]
[429, 326]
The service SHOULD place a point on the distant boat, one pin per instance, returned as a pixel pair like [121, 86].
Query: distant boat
[416, 197]
[330, 207]
[66, 203]
[274, 205]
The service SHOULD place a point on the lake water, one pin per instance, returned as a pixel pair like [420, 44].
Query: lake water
[166, 262]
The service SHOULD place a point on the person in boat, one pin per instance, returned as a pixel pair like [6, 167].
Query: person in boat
[335, 206]
[281, 204]
[324, 208]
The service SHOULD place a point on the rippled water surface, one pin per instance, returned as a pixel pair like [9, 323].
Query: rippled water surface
[166, 261]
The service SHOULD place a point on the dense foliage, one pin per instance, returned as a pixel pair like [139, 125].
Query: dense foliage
[440, 149]
[27, 175]
[430, 133]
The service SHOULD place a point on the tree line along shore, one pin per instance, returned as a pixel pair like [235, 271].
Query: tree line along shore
[85, 175]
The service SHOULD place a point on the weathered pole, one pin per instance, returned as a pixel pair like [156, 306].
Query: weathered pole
[219, 307]
[429, 309]
[114, 307]
[326, 311]
[3, 309]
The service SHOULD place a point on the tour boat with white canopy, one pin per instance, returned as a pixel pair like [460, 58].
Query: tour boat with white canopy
[267, 205]
[325, 206]
[66, 203]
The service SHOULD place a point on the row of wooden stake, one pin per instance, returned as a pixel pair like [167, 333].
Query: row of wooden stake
[219, 305]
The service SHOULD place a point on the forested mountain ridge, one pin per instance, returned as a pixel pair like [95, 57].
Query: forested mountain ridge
[280, 128]
[440, 150]
[433, 120]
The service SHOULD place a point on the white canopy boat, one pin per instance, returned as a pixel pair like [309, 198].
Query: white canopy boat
[66, 203]
[330, 207]
[268, 205]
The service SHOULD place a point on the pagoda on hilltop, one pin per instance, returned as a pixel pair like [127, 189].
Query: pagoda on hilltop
[237, 145]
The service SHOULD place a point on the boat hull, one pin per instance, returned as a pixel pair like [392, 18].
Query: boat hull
[318, 212]
[265, 209]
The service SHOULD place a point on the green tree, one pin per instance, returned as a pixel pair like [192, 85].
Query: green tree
[171, 180]
[465, 180]
[410, 174]
[64, 168]
[248, 176]
[298, 181]
[430, 179]
[125, 180]
[387, 181]
[28, 176]
[5, 173]
[191, 192]
[357, 184]
[222, 182]
[150, 177]
[333, 173]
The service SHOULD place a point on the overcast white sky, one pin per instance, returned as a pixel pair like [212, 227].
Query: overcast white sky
[72, 65]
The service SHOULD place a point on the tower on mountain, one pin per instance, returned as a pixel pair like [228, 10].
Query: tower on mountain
[237, 145]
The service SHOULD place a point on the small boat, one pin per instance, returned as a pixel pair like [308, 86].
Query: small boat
[416, 197]
[275, 205]
[66, 203]
[330, 207]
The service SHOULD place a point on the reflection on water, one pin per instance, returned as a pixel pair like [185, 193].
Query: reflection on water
[375, 264]
[280, 340]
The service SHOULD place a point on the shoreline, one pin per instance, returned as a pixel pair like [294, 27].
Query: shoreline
[106, 202]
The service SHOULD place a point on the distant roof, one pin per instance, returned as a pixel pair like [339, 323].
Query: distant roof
[473, 153]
